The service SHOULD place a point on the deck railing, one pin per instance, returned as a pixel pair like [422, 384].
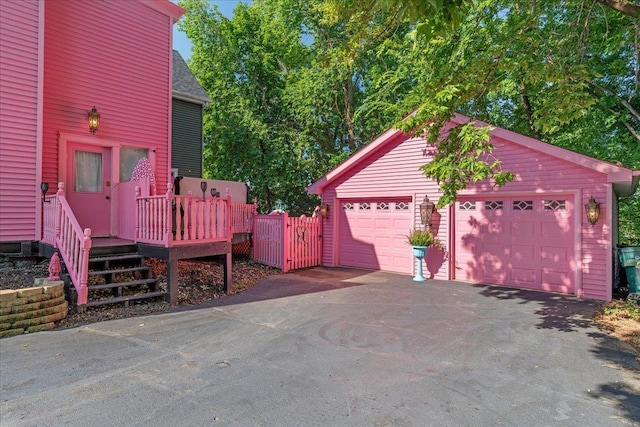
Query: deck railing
[170, 220]
[242, 216]
[62, 230]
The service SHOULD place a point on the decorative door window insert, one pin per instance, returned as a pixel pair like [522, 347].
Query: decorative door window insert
[382, 206]
[468, 206]
[523, 205]
[555, 205]
[365, 206]
[402, 206]
[347, 206]
[493, 205]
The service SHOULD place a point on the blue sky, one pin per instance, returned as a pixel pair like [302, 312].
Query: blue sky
[180, 41]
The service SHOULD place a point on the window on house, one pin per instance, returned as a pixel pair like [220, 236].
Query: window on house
[129, 156]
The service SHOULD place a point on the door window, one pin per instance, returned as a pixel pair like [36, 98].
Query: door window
[88, 172]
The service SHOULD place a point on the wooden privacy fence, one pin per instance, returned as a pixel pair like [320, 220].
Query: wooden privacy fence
[288, 243]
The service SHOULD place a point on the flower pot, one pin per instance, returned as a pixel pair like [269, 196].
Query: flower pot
[419, 252]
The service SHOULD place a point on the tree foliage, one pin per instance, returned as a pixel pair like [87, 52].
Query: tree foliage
[298, 86]
[282, 112]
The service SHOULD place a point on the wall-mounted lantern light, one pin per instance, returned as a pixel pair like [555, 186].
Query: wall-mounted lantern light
[324, 210]
[593, 211]
[94, 120]
[44, 187]
[426, 210]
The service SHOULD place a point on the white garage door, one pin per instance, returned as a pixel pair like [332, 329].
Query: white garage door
[525, 242]
[372, 234]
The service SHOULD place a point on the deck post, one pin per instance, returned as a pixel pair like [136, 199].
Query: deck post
[172, 279]
[228, 277]
[168, 232]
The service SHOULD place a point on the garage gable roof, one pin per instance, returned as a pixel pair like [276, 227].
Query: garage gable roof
[625, 180]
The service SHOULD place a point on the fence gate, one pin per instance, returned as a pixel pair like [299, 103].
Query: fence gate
[287, 243]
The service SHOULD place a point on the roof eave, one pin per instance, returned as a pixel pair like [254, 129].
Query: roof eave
[190, 98]
[165, 7]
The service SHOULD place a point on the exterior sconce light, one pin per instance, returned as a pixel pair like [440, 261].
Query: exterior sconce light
[593, 211]
[426, 210]
[94, 120]
[324, 210]
[203, 187]
[44, 186]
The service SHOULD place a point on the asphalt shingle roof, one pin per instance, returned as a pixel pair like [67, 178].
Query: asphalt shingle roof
[185, 84]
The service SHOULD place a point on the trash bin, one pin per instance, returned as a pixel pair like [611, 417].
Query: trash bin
[629, 257]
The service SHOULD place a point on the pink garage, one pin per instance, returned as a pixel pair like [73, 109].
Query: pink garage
[532, 233]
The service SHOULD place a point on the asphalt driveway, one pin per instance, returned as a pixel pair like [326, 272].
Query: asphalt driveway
[331, 347]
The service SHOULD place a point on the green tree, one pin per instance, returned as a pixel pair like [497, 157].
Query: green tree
[281, 114]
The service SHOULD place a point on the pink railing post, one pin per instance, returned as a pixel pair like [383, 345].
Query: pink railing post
[83, 292]
[168, 238]
[229, 219]
[189, 206]
[137, 213]
[59, 193]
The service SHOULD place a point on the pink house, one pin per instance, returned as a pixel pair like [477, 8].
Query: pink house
[532, 233]
[61, 59]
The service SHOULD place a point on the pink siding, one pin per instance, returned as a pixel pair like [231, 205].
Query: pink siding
[537, 172]
[19, 104]
[382, 177]
[116, 56]
[391, 170]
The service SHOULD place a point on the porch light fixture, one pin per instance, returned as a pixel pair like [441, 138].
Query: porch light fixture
[203, 187]
[593, 211]
[44, 187]
[426, 210]
[94, 120]
[324, 210]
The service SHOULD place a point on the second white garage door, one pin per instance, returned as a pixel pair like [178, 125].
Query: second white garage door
[371, 234]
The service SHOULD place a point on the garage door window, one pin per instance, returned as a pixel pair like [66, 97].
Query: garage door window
[494, 205]
[555, 205]
[468, 206]
[523, 205]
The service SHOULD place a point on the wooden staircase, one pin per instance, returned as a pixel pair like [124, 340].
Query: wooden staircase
[117, 274]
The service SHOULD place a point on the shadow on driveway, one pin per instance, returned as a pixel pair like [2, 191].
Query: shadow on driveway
[570, 314]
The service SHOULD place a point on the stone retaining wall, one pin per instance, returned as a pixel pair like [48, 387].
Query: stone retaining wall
[32, 309]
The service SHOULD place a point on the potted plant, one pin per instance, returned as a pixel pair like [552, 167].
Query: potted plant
[420, 240]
